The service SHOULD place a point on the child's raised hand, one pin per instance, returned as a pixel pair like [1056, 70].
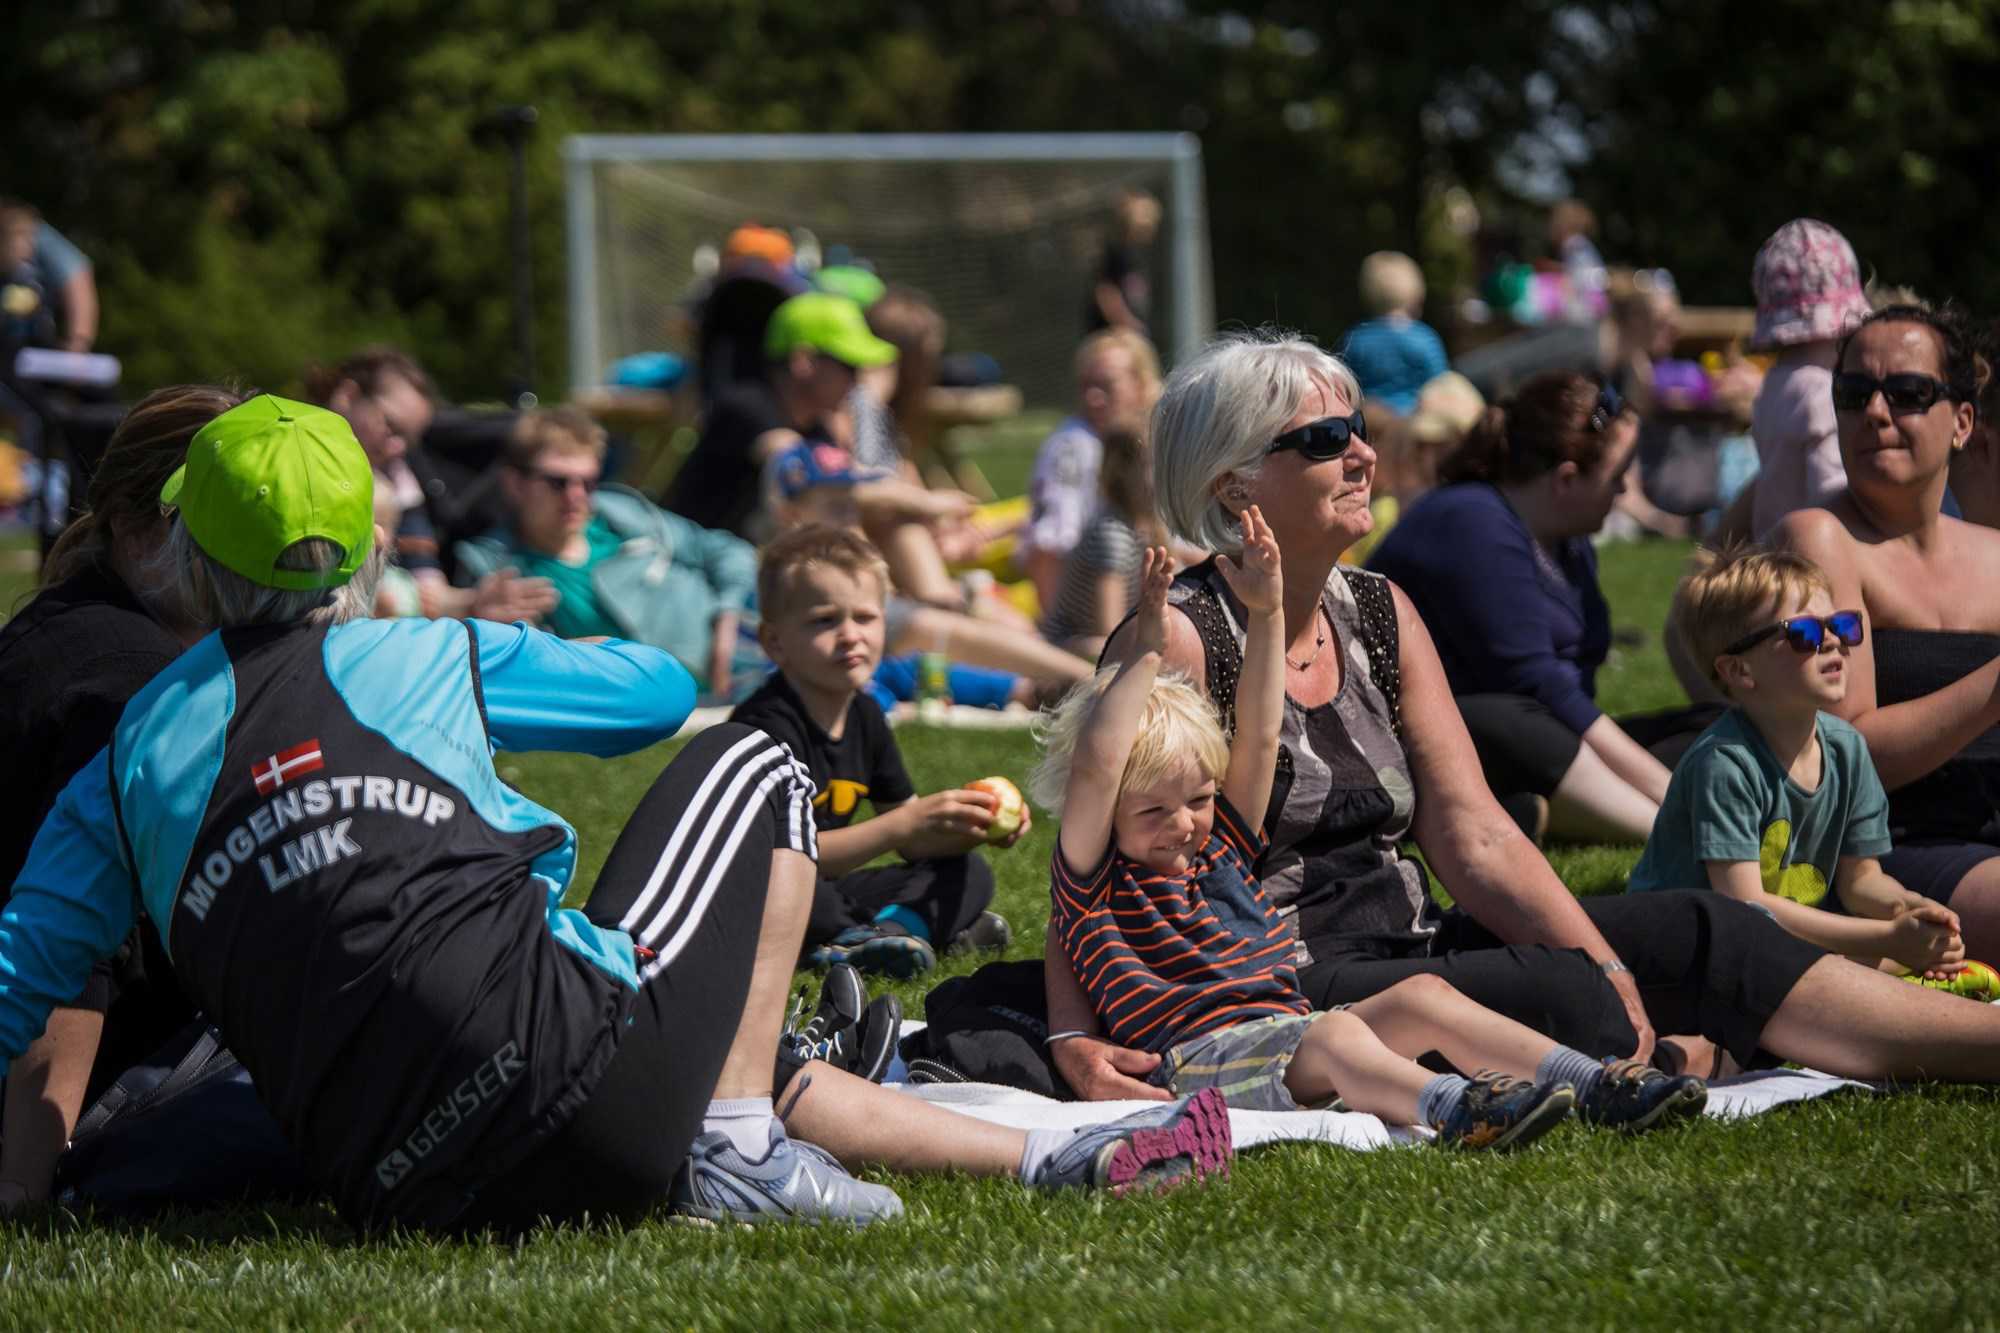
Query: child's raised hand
[1256, 576]
[1156, 575]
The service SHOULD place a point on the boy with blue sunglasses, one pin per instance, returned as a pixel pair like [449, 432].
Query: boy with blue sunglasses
[1778, 803]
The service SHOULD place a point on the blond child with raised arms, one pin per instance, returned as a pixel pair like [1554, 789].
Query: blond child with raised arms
[1161, 920]
[1778, 803]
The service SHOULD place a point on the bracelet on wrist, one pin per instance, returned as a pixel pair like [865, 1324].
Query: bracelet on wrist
[1612, 965]
[1055, 1037]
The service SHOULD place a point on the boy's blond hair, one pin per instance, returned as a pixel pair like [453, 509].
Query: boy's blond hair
[557, 431]
[1391, 283]
[1177, 725]
[1738, 591]
[813, 544]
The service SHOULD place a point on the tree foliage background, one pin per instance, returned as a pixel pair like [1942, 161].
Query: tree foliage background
[268, 182]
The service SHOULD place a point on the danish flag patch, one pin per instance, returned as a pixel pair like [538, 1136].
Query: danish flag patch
[286, 765]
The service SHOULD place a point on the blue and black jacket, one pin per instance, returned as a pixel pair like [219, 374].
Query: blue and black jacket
[312, 819]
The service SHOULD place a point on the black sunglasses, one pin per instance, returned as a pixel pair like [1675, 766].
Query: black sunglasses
[558, 483]
[1323, 439]
[1806, 634]
[1905, 391]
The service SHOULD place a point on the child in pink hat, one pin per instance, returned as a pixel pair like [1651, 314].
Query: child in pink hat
[1809, 293]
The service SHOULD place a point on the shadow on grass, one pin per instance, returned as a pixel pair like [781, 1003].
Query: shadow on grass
[296, 1226]
[188, 1228]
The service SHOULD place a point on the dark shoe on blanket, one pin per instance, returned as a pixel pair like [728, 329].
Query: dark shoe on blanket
[848, 1031]
[1501, 1112]
[1149, 1151]
[1631, 1097]
[842, 998]
[875, 1038]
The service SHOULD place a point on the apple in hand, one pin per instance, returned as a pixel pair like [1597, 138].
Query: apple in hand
[1009, 810]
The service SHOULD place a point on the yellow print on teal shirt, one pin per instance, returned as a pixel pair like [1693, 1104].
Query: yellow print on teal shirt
[1801, 883]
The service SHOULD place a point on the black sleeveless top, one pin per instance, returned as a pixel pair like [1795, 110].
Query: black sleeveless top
[1343, 798]
[1959, 800]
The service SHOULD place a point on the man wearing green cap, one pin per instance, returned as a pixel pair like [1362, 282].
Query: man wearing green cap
[305, 805]
[812, 347]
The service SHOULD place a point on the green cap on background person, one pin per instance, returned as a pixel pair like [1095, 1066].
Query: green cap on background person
[857, 284]
[269, 474]
[830, 325]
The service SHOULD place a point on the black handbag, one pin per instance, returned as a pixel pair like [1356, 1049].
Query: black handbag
[183, 1128]
[990, 1027]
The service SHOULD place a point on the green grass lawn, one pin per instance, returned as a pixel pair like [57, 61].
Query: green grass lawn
[1856, 1211]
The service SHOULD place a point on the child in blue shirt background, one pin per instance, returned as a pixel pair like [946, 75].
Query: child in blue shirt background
[1395, 353]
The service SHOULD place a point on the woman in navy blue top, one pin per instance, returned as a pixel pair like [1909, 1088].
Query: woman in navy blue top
[1499, 564]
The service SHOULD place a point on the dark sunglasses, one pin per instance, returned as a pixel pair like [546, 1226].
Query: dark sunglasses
[559, 484]
[1806, 634]
[1906, 391]
[1323, 439]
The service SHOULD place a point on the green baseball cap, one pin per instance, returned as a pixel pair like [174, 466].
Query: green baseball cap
[857, 284]
[829, 324]
[268, 474]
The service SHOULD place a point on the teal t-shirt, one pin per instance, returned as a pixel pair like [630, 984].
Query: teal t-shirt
[578, 615]
[1730, 800]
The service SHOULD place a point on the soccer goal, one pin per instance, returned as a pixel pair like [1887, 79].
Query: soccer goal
[1003, 231]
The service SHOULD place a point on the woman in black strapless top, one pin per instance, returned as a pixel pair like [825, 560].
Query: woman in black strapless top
[1960, 798]
[1924, 690]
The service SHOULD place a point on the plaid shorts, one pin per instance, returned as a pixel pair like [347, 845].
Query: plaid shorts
[1246, 1062]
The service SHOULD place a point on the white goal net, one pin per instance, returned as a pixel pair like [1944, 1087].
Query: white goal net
[1003, 232]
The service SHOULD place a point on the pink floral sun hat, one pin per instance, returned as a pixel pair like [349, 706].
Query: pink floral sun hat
[1808, 286]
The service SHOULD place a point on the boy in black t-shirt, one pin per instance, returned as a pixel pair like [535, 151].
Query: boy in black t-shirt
[820, 590]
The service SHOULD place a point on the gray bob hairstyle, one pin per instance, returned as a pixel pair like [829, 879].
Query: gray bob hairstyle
[1219, 413]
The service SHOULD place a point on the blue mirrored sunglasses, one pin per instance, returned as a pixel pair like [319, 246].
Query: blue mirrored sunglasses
[1806, 634]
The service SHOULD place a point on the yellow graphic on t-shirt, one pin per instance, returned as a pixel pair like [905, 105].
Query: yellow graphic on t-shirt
[840, 796]
[1800, 883]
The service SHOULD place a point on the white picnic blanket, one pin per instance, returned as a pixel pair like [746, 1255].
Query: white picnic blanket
[1728, 1099]
[1029, 1110]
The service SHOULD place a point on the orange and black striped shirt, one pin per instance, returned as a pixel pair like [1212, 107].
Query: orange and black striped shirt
[1168, 957]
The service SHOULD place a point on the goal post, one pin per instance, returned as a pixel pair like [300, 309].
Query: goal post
[1003, 231]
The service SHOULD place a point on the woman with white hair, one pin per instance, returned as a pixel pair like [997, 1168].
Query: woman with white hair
[1372, 753]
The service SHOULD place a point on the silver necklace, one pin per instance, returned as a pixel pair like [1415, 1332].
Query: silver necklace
[1319, 642]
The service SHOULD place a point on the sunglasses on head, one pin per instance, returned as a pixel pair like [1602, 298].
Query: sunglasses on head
[1323, 439]
[1905, 391]
[1806, 634]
